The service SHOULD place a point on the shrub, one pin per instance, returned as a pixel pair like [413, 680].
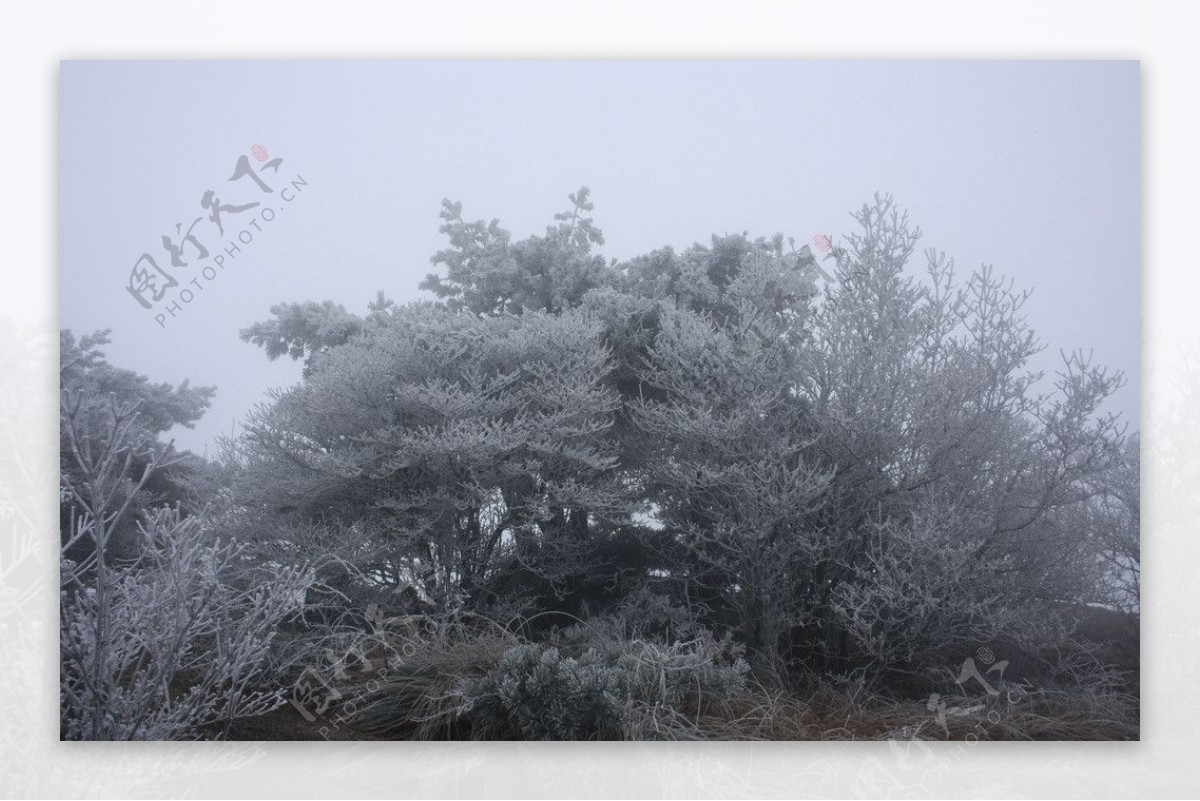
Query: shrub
[595, 685]
[552, 697]
[926, 592]
[175, 646]
[421, 693]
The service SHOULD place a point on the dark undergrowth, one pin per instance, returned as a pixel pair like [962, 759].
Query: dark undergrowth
[469, 678]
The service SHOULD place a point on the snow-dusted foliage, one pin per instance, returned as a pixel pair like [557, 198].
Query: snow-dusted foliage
[175, 646]
[581, 498]
[169, 636]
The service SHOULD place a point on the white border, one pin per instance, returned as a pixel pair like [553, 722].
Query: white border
[35, 36]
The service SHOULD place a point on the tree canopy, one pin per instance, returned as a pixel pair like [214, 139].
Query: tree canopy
[112, 421]
[823, 467]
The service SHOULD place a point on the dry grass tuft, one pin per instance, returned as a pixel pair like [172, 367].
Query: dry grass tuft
[420, 697]
[424, 695]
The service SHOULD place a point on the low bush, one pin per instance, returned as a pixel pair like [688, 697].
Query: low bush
[589, 683]
[175, 646]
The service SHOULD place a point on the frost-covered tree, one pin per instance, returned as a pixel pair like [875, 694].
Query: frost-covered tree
[458, 442]
[165, 637]
[488, 274]
[1111, 518]
[943, 442]
[302, 330]
[826, 469]
[729, 468]
[113, 462]
[176, 646]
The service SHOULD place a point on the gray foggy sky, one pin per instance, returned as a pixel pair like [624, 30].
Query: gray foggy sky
[1030, 166]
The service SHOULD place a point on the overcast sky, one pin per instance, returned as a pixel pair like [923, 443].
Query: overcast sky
[1030, 166]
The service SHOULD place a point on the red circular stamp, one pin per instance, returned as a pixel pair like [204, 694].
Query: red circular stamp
[259, 152]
